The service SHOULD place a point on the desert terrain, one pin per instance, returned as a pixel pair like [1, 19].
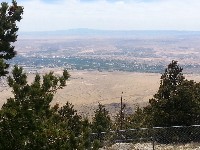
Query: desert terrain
[85, 89]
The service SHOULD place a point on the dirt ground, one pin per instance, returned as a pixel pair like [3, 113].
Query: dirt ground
[85, 89]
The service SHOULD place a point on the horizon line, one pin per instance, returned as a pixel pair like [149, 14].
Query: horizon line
[113, 30]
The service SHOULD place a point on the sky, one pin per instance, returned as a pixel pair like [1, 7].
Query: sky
[51, 15]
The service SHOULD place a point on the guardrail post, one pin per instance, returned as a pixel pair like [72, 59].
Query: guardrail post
[153, 142]
[153, 138]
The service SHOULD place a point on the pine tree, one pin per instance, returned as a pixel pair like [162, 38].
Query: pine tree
[170, 79]
[27, 120]
[9, 16]
[101, 121]
[176, 102]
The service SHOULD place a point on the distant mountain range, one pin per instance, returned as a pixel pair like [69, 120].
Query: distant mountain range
[84, 32]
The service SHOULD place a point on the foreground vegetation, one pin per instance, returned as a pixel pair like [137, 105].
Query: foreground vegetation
[28, 121]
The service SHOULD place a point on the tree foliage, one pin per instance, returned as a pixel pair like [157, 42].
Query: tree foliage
[101, 121]
[27, 120]
[9, 16]
[177, 101]
[170, 80]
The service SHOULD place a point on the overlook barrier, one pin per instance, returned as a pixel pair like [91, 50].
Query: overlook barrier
[156, 138]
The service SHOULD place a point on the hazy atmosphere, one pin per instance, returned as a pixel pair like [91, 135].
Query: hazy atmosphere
[46, 15]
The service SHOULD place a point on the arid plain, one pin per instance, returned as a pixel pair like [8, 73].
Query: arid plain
[85, 89]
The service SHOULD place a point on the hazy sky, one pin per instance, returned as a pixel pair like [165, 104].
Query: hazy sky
[45, 15]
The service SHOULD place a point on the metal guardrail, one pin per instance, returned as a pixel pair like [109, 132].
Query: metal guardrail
[156, 138]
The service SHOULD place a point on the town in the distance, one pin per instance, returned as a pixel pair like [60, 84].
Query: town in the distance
[131, 51]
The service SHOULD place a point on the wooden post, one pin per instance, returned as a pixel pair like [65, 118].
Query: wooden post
[121, 117]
